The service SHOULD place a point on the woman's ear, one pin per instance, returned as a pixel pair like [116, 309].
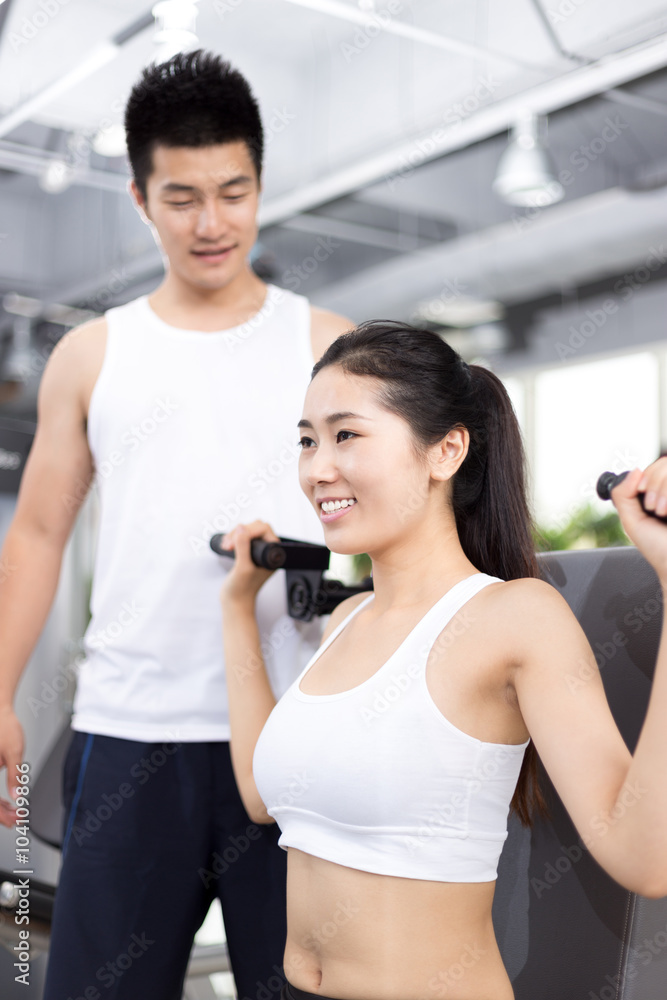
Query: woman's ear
[447, 455]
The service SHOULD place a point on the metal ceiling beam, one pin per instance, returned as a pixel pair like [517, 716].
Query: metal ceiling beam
[636, 101]
[134, 269]
[384, 21]
[616, 231]
[354, 232]
[27, 160]
[100, 56]
[4, 14]
[544, 98]
[619, 96]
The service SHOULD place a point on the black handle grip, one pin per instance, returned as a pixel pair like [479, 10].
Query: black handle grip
[607, 482]
[288, 553]
[269, 555]
[308, 593]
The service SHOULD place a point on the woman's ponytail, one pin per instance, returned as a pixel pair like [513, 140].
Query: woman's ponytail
[493, 523]
[489, 493]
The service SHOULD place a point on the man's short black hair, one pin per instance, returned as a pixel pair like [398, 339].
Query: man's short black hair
[193, 99]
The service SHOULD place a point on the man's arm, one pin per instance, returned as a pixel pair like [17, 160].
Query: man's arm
[325, 327]
[55, 482]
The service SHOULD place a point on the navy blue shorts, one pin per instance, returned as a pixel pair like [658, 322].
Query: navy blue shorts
[292, 993]
[154, 831]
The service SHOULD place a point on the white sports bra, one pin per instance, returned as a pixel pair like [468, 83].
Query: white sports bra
[376, 778]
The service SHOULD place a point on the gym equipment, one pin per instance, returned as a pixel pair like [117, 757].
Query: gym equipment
[308, 592]
[607, 482]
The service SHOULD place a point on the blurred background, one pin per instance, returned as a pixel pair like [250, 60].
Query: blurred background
[496, 172]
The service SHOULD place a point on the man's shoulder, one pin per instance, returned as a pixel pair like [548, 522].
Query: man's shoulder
[325, 327]
[80, 340]
[86, 341]
[76, 361]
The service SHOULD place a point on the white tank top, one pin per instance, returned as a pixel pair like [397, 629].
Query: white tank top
[191, 433]
[376, 778]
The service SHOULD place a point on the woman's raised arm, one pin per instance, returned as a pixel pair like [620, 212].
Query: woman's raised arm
[251, 699]
[618, 802]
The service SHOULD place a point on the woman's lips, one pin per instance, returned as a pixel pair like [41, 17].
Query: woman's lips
[335, 515]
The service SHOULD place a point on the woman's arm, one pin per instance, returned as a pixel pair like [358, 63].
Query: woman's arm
[618, 802]
[250, 697]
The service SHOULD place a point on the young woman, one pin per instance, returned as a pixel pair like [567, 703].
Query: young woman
[391, 761]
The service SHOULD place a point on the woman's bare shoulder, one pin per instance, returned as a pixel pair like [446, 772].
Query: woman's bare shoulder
[529, 612]
[527, 594]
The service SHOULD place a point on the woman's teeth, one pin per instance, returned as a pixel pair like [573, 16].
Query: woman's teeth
[330, 505]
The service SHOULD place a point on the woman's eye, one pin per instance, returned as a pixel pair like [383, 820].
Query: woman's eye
[305, 442]
[350, 433]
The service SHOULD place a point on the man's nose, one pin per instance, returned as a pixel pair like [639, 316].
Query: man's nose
[210, 221]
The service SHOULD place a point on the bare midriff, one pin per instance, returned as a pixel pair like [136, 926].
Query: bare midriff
[355, 935]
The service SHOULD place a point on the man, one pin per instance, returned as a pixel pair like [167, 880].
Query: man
[184, 404]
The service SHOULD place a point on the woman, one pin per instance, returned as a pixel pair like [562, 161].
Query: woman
[391, 761]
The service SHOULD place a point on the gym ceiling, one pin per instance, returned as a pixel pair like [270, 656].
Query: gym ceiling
[385, 124]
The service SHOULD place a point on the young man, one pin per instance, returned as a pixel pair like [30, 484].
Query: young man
[185, 405]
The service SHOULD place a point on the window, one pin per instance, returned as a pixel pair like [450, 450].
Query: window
[590, 418]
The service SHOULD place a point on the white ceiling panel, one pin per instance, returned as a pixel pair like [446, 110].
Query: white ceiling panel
[593, 28]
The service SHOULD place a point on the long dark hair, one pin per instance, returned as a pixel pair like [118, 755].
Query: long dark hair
[422, 379]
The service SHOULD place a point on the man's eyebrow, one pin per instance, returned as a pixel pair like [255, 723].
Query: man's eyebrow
[333, 418]
[173, 187]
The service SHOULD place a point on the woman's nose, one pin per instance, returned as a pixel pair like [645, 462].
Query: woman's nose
[322, 468]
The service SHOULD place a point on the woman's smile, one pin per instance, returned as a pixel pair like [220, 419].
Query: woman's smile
[334, 509]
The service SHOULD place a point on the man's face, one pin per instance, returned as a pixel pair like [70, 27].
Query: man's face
[203, 203]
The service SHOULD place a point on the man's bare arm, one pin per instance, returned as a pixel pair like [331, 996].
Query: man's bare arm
[55, 482]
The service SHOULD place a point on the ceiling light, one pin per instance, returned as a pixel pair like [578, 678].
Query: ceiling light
[491, 338]
[459, 311]
[52, 312]
[526, 175]
[21, 305]
[18, 362]
[57, 176]
[479, 342]
[110, 141]
[177, 20]
[63, 315]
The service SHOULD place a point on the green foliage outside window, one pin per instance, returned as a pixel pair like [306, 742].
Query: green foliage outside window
[587, 528]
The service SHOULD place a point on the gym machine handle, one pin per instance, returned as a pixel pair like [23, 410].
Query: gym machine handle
[607, 482]
[308, 593]
[288, 553]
